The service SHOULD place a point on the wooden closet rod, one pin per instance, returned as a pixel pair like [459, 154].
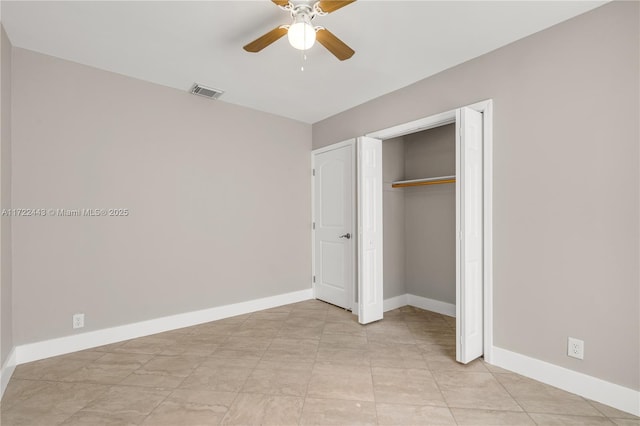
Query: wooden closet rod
[421, 182]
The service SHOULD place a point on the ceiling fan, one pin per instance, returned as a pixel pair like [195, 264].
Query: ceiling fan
[302, 35]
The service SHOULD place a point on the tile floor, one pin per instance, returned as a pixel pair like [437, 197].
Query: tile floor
[306, 363]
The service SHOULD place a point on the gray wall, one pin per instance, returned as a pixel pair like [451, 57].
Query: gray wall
[6, 315]
[219, 200]
[393, 218]
[430, 215]
[566, 184]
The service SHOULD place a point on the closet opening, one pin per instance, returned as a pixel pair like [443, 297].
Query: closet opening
[431, 233]
[412, 228]
[419, 218]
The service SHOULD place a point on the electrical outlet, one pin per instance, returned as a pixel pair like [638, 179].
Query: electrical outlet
[78, 320]
[575, 348]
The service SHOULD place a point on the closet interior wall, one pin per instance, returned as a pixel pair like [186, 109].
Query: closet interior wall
[419, 222]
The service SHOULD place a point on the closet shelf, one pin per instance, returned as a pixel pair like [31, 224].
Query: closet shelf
[425, 181]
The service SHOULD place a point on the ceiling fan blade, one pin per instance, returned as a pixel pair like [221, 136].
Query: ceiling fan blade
[282, 3]
[328, 6]
[264, 41]
[334, 44]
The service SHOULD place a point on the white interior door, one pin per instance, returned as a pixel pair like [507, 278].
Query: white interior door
[370, 302]
[333, 188]
[469, 222]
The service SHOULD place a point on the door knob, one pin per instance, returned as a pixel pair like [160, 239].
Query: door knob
[347, 236]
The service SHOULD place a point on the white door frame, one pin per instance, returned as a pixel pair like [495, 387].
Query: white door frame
[448, 117]
[348, 143]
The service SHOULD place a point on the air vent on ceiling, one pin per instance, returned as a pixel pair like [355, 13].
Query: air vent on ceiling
[207, 92]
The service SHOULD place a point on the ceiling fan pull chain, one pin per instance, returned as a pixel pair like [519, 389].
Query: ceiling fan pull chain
[304, 52]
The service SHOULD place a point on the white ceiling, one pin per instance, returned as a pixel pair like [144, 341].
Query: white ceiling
[177, 43]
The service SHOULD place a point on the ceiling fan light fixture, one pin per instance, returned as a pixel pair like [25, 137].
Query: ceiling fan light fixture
[301, 33]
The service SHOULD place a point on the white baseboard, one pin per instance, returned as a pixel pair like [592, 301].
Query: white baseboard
[395, 302]
[7, 371]
[432, 305]
[64, 345]
[590, 387]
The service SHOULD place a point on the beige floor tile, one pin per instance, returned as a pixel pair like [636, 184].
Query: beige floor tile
[626, 422]
[216, 328]
[308, 359]
[471, 417]
[397, 362]
[448, 363]
[278, 364]
[20, 417]
[474, 390]
[127, 404]
[433, 334]
[181, 365]
[301, 315]
[215, 376]
[344, 341]
[302, 321]
[341, 315]
[338, 412]
[259, 328]
[293, 332]
[330, 368]
[20, 390]
[523, 387]
[543, 419]
[56, 368]
[163, 371]
[291, 349]
[194, 345]
[240, 362]
[294, 345]
[612, 412]
[536, 397]
[238, 346]
[191, 408]
[420, 322]
[382, 349]
[257, 409]
[495, 369]
[344, 327]
[277, 382]
[345, 356]
[399, 336]
[434, 348]
[314, 305]
[52, 404]
[357, 385]
[111, 368]
[402, 415]
[86, 418]
[406, 386]
[558, 406]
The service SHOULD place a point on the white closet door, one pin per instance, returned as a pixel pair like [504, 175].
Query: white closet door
[370, 302]
[469, 220]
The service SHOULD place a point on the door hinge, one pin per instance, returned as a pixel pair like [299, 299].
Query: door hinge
[314, 278]
[313, 172]
[313, 225]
